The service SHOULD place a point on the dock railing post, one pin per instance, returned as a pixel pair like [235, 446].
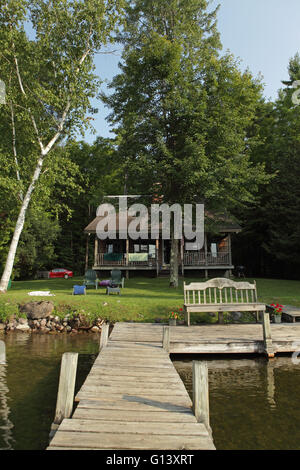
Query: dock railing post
[268, 344]
[66, 388]
[200, 393]
[2, 352]
[104, 336]
[166, 339]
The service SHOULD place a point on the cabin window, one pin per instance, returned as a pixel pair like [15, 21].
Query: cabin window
[152, 251]
[145, 248]
[214, 250]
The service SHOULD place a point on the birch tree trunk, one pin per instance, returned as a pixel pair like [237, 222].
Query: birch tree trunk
[19, 227]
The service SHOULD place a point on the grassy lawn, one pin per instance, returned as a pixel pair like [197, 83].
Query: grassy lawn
[142, 299]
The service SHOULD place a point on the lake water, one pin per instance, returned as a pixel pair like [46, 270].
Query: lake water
[29, 384]
[254, 404]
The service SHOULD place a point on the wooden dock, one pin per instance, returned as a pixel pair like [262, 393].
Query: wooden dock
[133, 398]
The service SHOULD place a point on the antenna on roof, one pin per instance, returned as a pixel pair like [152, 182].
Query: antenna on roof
[127, 196]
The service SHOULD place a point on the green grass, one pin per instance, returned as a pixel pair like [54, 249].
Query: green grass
[142, 299]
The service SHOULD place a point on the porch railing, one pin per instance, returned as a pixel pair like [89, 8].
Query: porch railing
[198, 258]
[100, 261]
[190, 258]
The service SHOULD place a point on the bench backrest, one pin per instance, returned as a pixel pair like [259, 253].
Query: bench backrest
[219, 291]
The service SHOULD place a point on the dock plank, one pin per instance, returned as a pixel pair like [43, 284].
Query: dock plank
[102, 441]
[134, 427]
[134, 416]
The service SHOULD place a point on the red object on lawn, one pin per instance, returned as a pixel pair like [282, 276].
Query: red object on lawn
[61, 273]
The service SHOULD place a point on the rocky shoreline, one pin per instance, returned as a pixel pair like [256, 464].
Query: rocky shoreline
[39, 317]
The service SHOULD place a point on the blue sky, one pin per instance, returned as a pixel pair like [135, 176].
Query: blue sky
[264, 34]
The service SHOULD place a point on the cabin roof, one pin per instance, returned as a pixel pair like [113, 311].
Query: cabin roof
[222, 224]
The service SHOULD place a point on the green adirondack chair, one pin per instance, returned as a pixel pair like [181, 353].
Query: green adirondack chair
[90, 278]
[116, 278]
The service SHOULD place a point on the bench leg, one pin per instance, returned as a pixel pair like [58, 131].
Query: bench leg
[220, 318]
[187, 317]
[257, 316]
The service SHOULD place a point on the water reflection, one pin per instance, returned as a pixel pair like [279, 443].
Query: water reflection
[6, 426]
[271, 384]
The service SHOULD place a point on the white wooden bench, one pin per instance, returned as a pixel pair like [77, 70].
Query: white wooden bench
[221, 295]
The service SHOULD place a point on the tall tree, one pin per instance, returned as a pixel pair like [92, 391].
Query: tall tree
[99, 174]
[49, 79]
[272, 227]
[183, 114]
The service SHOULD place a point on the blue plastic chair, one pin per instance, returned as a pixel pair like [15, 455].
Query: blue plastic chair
[79, 290]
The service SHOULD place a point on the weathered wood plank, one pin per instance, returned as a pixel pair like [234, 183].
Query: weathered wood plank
[133, 416]
[142, 405]
[65, 396]
[108, 385]
[161, 400]
[101, 441]
[131, 371]
[131, 391]
[140, 427]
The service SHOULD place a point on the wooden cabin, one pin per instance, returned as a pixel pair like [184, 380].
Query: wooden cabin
[153, 256]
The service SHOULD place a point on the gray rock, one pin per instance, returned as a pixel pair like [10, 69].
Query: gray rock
[95, 329]
[43, 322]
[44, 329]
[23, 327]
[2, 326]
[23, 321]
[36, 310]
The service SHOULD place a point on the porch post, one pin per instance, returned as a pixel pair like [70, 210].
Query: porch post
[127, 257]
[229, 249]
[156, 256]
[87, 251]
[182, 256]
[205, 254]
[96, 251]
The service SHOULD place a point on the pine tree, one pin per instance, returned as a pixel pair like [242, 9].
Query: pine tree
[183, 113]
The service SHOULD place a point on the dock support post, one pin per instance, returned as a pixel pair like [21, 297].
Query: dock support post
[66, 388]
[2, 353]
[268, 344]
[104, 336]
[200, 393]
[166, 339]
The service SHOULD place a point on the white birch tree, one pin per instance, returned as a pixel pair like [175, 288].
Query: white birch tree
[49, 80]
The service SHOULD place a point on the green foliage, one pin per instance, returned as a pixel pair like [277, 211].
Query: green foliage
[272, 228]
[184, 115]
[50, 81]
[36, 247]
[99, 174]
[8, 310]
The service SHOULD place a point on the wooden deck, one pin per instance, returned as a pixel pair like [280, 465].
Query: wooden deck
[211, 339]
[133, 398]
